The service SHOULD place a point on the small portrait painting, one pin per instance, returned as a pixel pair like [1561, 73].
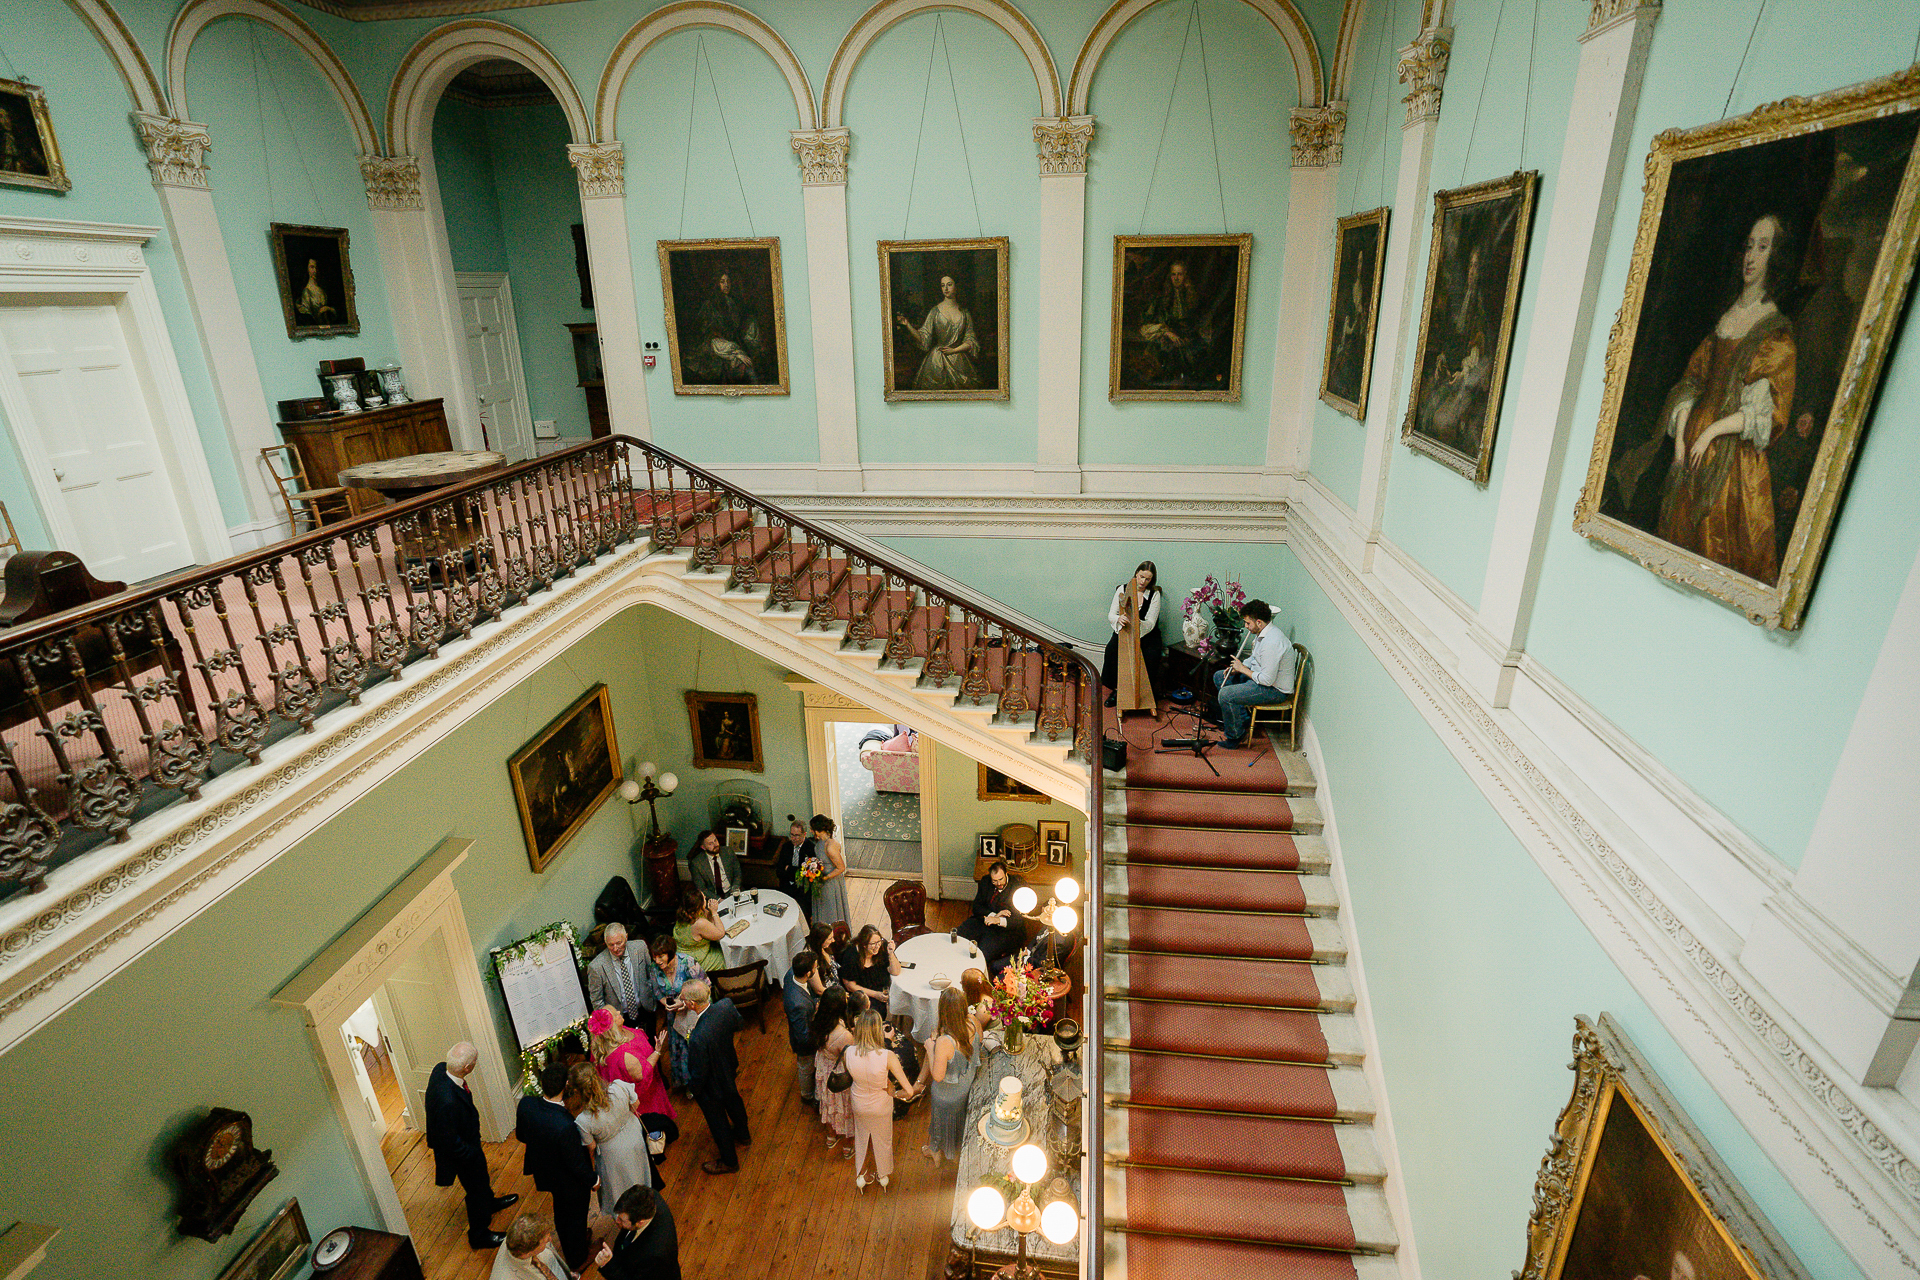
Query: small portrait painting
[995, 785]
[1179, 317]
[565, 774]
[279, 1248]
[943, 307]
[29, 154]
[316, 280]
[726, 317]
[737, 841]
[726, 730]
[1359, 245]
[1474, 266]
[1773, 262]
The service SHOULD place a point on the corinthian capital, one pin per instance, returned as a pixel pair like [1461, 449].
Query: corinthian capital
[1063, 144]
[176, 150]
[1423, 69]
[601, 168]
[1318, 135]
[393, 182]
[823, 156]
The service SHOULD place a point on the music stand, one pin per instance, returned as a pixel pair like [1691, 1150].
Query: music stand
[1199, 744]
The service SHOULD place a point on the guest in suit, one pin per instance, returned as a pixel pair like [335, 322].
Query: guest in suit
[647, 1245]
[992, 924]
[527, 1252]
[714, 871]
[453, 1131]
[796, 993]
[790, 857]
[711, 1070]
[617, 978]
[558, 1162]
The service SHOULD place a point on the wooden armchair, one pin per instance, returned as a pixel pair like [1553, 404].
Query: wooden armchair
[746, 986]
[906, 904]
[1284, 715]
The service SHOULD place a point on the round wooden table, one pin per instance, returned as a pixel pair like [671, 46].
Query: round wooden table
[413, 475]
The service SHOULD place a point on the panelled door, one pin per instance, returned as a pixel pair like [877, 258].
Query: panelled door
[90, 429]
[493, 353]
[420, 1022]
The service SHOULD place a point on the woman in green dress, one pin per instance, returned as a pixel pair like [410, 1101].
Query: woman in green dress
[698, 930]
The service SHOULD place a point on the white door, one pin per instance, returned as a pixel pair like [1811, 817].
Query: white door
[421, 1017]
[493, 353]
[89, 430]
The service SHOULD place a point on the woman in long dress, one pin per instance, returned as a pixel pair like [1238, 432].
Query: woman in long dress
[665, 976]
[1735, 399]
[627, 1053]
[609, 1119]
[830, 898]
[948, 339]
[1145, 586]
[875, 1070]
[833, 1032]
[950, 1067]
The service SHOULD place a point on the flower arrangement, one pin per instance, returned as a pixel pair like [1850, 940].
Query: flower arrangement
[535, 1057]
[1217, 603]
[1024, 999]
[811, 874]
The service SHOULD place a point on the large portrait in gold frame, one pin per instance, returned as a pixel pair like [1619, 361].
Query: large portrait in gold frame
[1359, 253]
[943, 319]
[1179, 317]
[1628, 1187]
[1773, 260]
[29, 153]
[1474, 268]
[726, 317]
[565, 774]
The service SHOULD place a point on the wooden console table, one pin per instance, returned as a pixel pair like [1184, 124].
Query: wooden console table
[329, 446]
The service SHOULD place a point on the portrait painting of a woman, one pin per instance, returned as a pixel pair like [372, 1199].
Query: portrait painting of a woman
[945, 306]
[948, 339]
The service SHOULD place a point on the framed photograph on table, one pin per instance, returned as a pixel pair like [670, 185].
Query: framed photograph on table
[986, 847]
[726, 317]
[1052, 829]
[943, 309]
[1179, 317]
[565, 774]
[1056, 853]
[737, 841]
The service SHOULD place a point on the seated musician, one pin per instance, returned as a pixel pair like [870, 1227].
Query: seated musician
[992, 924]
[1265, 677]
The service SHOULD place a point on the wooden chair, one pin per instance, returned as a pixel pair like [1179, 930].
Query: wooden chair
[746, 986]
[11, 545]
[1284, 715]
[842, 935]
[315, 506]
[906, 904]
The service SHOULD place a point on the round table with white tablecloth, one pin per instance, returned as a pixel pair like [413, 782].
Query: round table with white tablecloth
[774, 936]
[933, 956]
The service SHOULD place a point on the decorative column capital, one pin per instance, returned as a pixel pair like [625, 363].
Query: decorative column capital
[823, 156]
[1319, 135]
[1606, 14]
[1063, 143]
[601, 168]
[393, 182]
[176, 150]
[1423, 68]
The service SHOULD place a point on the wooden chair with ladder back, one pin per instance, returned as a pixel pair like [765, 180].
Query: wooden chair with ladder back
[303, 502]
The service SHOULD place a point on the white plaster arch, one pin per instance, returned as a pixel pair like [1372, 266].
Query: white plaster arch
[1285, 19]
[144, 87]
[199, 14]
[663, 22]
[1353, 16]
[443, 53]
[885, 14]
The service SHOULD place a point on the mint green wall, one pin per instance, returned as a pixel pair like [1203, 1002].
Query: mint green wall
[284, 153]
[964, 816]
[997, 103]
[469, 191]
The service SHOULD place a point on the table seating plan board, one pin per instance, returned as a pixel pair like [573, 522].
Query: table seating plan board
[540, 980]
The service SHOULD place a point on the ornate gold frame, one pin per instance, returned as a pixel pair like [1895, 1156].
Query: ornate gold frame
[1025, 793]
[1609, 1071]
[602, 702]
[697, 702]
[349, 325]
[1244, 242]
[681, 387]
[1356, 409]
[887, 248]
[56, 179]
[1783, 605]
[1526, 187]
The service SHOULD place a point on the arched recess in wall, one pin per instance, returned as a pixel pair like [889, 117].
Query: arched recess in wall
[1281, 14]
[662, 23]
[1353, 16]
[142, 85]
[199, 14]
[888, 12]
[443, 53]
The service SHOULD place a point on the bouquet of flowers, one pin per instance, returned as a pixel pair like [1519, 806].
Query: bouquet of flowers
[1024, 999]
[810, 875]
[1217, 603]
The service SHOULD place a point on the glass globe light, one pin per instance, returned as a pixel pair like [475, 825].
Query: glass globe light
[986, 1207]
[1064, 920]
[648, 769]
[1025, 899]
[667, 784]
[1067, 889]
[1059, 1222]
[630, 791]
[1029, 1163]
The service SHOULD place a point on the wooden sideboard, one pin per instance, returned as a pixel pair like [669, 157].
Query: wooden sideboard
[329, 446]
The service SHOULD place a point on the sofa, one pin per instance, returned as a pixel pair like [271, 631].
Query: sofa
[895, 764]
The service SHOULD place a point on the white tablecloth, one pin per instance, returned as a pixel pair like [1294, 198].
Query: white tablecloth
[933, 956]
[775, 939]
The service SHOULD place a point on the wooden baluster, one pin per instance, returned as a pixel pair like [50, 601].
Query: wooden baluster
[178, 756]
[389, 643]
[28, 835]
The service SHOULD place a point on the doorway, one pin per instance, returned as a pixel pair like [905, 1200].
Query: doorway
[877, 798]
[493, 355]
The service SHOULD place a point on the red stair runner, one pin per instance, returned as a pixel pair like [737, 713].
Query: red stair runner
[1199, 933]
[1208, 809]
[1206, 979]
[1264, 850]
[1215, 890]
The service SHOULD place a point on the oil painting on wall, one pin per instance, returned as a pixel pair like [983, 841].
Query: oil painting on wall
[1360, 242]
[726, 317]
[1179, 317]
[943, 307]
[1774, 256]
[315, 274]
[29, 153]
[565, 774]
[726, 730]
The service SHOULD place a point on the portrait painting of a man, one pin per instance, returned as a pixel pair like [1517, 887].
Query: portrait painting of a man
[1179, 316]
[316, 280]
[725, 314]
[726, 730]
[944, 308]
[1359, 245]
[29, 155]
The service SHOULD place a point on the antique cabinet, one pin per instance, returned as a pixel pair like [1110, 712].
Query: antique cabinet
[592, 380]
[329, 446]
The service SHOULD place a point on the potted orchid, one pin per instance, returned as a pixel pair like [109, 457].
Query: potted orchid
[1210, 616]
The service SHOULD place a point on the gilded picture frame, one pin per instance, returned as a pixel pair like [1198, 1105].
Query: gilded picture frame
[1353, 312]
[29, 151]
[564, 774]
[913, 276]
[313, 267]
[1821, 192]
[276, 1250]
[1475, 262]
[1171, 297]
[726, 317]
[1628, 1186]
[726, 731]
[995, 785]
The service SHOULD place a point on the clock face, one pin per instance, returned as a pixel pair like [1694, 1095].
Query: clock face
[222, 1145]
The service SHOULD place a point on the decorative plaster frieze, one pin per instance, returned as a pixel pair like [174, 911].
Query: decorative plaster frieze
[1318, 135]
[1605, 13]
[1423, 68]
[823, 156]
[601, 168]
[393, 182]
[1079, 516]
[1063, 144]
[176, 150]
[106, 249]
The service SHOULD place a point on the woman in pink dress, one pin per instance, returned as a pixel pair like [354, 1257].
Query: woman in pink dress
[625, 1053]
[832, 1034]
[871, 1063]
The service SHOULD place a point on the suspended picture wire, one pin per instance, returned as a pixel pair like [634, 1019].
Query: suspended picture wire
[940, 44]
[286, 119]
[1727, 106]
[12, 70]
[1526, 112]
[1486, 74]
[702, 59]
[1173, 91]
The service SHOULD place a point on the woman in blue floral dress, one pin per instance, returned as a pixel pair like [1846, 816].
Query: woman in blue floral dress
[665, 976]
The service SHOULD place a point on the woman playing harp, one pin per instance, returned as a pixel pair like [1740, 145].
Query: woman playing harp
[1135, 646]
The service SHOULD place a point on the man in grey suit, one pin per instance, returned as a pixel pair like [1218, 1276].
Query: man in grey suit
[616, 978]
[713, 870]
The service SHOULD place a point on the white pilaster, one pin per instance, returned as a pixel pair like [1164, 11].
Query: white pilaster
[1606, 93]
[602, 170]
[1318, 140]
[1062, 145]
[822, 154]
[177, 155]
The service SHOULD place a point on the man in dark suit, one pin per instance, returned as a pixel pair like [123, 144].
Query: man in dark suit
[453, 1131]
[993, 924]
[789, 858]
[711, 1068]
[558, 1162]
[647, 1246]
[713, 870]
